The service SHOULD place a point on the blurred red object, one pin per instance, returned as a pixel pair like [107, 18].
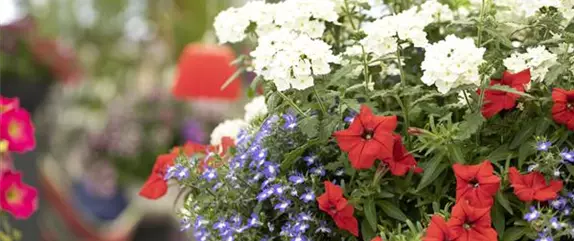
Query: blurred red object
[202, 70]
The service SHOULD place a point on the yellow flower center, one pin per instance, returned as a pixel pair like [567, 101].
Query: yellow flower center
[14, 130]
[3, 146]
[13, 195]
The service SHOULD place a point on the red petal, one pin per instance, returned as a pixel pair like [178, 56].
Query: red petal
[386, 123]
[437, 230]
[549, 192]
[333, 191]
[348, 223]
[154, 188]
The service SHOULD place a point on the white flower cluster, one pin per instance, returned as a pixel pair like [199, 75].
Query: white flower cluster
[452, 62]
[228, 128]
[408, 25]
[256, 108]
[291, 60]
[519, 10]
[537, 59]
[301, 16]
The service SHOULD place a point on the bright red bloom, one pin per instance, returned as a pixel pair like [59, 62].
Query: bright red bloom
[402, 160]
[202, 70]
[563, 109]
[532, 186]
[377, 239]
[7, 104]
[468, 223]
[368, 137]
[333, 203]
[437, 230]
[496, 100]
[476, 183]
[16, 197]
[17, 129]
[155, 185]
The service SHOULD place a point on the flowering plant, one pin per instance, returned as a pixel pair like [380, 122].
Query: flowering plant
[17, 198]
[436, 121]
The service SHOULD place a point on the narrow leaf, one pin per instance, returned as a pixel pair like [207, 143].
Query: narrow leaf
[433, 170]
[392, 210]
[522, 136]
[500, 198]
[513, 234]
[509, 89]
[371, 214]
[232, 78]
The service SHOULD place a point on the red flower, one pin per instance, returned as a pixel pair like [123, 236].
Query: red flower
[468, 223]
[377, 239]
[368, 137]
[563, 109]
[532, 186]
[7, 104]
[202, 70]
[437, 230]
[476, 183]
[156, 186]
[17, 129]
[333, 203]
[496, 100]
[16, 197]
[402, 160]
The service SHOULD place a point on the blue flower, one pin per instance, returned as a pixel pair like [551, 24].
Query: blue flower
[319, 171]
[184, 224]
[267, 182]
[567, 156]
[558, 203]
[290, 121]
[299, 238]
[223, 227]
[181, 172]
[350, 117]
[308, 196]
[297, 178]
[217, 186]
[278, 189]
[254, 221]
[300, 227]
[256, 177]
[310, 160]
[227, 237]
[544, 237]
[271, 169]
[170, 172]
[265, 194]
[282, 205]
[201, 235]
[242, 138]
[286, 230]
[555, 224]
[293, 192]
[532, 215]
[543, 145]
[323, 228]
[259, 154]
[199, 223]
[304, 217]
[567, 211]
[209, 174]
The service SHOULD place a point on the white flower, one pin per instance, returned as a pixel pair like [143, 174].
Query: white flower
[291, 60]
[519, 10]
[537, 59]
[452, 62]
[255, 108]
[228, 128]
[230, 25]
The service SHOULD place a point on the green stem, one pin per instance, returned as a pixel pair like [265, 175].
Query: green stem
[365, 70]
[291, 103]
[321, 105]
[400, 61]
[404, 106]
[350, 15]
[480, 25]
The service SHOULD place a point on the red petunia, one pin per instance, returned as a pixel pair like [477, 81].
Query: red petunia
[17, 129]
[496, 100]
[377, 239]
[156, 186]
[563, 108]
[16, 197]
[368, 137]
[437, 230]
[476, 183]
[402, 160]
[532, 186]
[7, 104]
[468, 223]
[333, 203]
[202, 70]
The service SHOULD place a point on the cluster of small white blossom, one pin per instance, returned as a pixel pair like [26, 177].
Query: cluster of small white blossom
[537, 59]
[256, 108]
[452, 62]
[382, 34]
[291, 60]
[228, 128]
[519, 10]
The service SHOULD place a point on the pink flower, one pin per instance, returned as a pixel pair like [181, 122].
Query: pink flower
[7, 104]
[17, 129]
[16, 197]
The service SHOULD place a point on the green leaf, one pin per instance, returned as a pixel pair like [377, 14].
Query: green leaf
[500, 153]
[500, 37]
[290, 157]
[498, 220]
[522, 136]
[509, 89]
[500, 198]
[471, 123]
[527, 149]
[371, 213]
[433, 170]
[310, 126]
[513, 234]
[342, 72]
[570, 169]
[554, 72]
[366, 231]
[232, 78]
[455, 153]
[392, 210]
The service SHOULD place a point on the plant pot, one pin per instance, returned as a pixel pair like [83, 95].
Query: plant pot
[31, 92]
[99, 208]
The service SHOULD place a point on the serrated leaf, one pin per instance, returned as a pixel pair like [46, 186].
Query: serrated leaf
[500, 198]
[521, 137]
[371, 214]
[554, 72]
[513, 234]
[509, 89]
[392, 210]
[342, 72]
[310, 126]
[469, 126]
[433, 170]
